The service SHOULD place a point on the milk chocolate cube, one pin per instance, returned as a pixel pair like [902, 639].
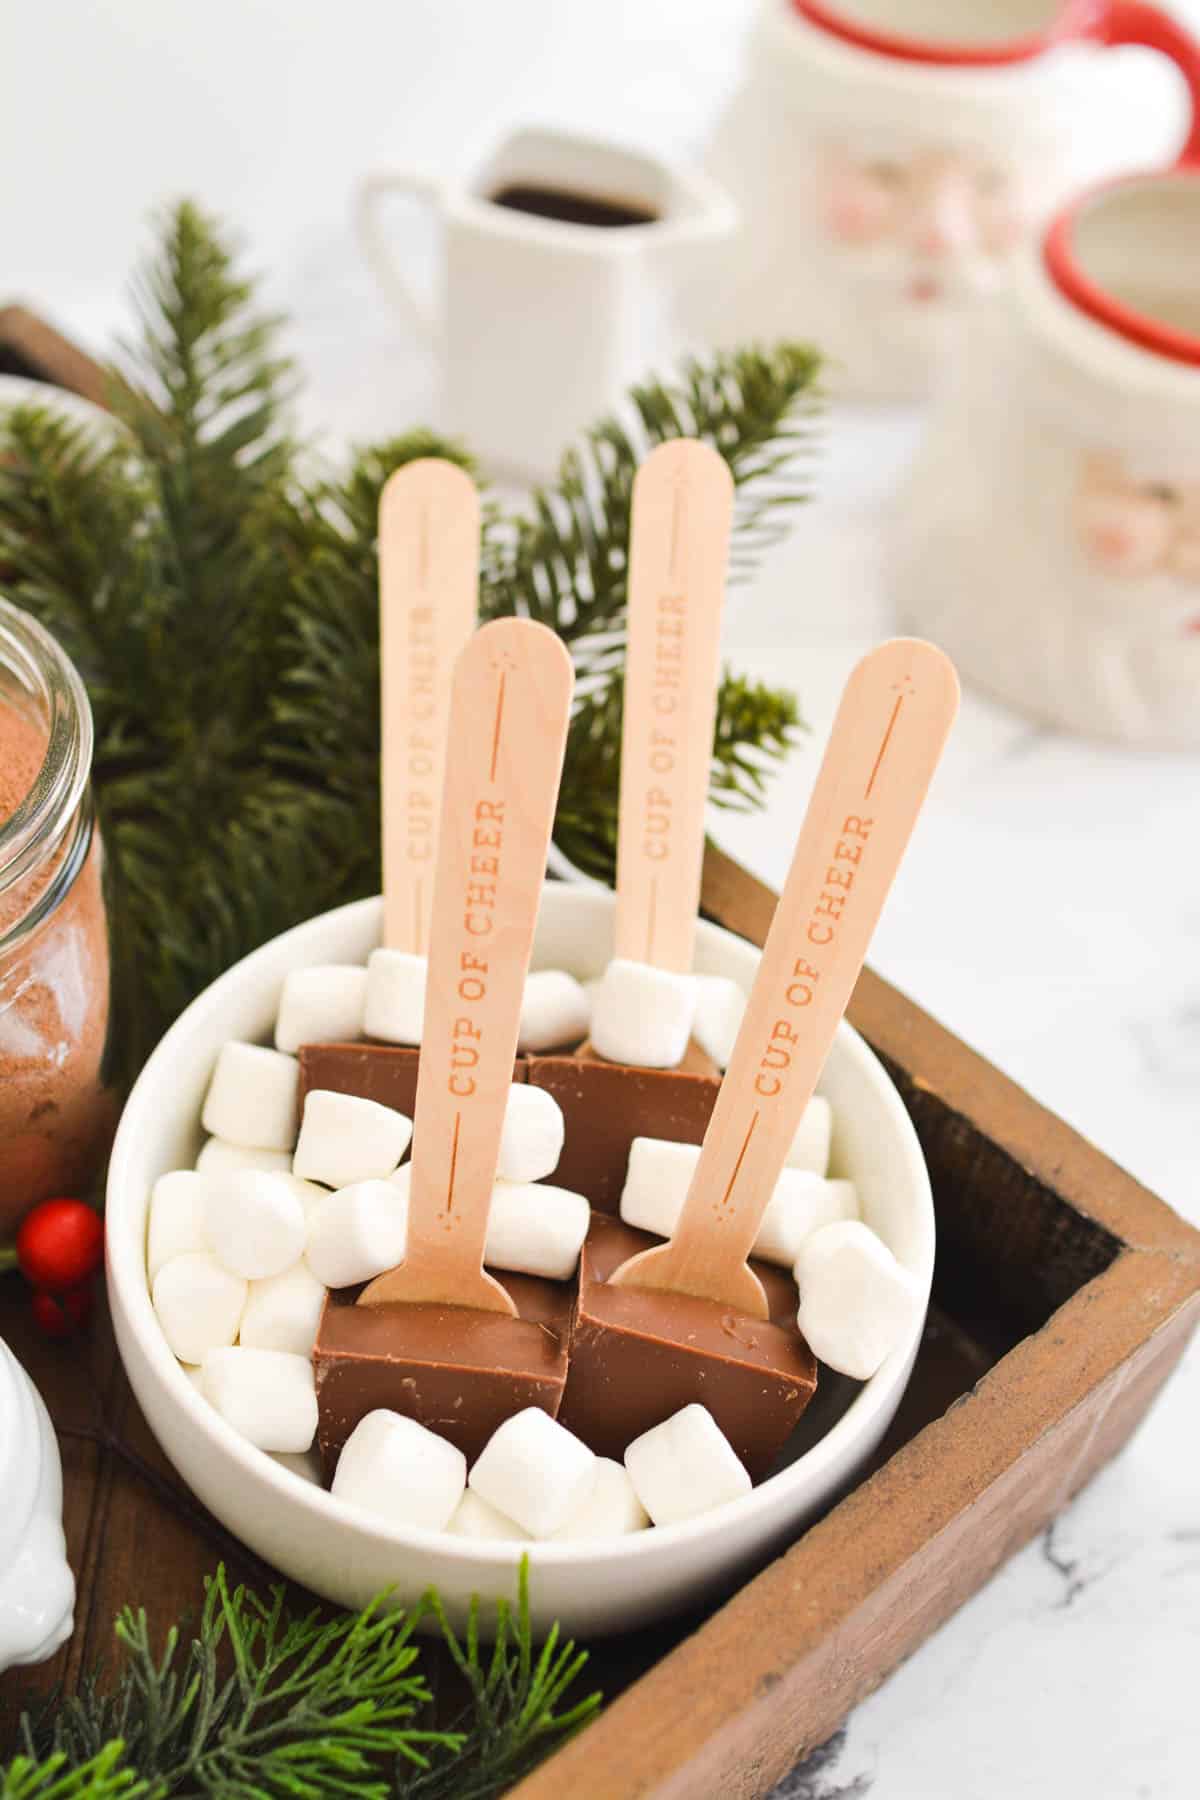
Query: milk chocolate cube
[606, 1105]
[386, 1073]
[456, 1371]
[637, 1357]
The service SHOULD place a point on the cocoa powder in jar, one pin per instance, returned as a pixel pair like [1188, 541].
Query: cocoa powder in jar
[56, 1116]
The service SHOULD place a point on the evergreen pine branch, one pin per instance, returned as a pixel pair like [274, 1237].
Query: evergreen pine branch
[511, 1719]
[263, 1703]
[52, 1778]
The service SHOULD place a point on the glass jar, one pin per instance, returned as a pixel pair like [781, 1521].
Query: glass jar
[56, 1108]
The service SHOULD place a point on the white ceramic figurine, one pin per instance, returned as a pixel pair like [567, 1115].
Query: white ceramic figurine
[37, 1589]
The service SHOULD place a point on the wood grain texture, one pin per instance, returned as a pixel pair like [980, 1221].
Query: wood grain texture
[678, 554]
[887, 738]
[428, 606]
[509, 710]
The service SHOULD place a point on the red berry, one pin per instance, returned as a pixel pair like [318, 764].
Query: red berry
[61, 1315]
[59, 1244]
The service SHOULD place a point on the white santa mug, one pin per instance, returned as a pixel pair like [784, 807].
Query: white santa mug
[888, 156]
[1049, 537]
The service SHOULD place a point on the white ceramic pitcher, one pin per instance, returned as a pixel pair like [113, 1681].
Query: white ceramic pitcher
[544, 322]
[888, 156]
[37, 1589]
[1049, 537]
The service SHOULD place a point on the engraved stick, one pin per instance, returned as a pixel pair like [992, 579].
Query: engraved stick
[678, 551]
[428, 582]
[509, 708]
[891, 726]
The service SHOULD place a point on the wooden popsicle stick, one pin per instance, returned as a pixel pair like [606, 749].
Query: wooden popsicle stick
[678, 552]
[509, 708]
[891, 726]
[428, 605]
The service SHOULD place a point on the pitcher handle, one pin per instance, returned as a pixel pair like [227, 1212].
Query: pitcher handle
[373, 189]
[1136, 22]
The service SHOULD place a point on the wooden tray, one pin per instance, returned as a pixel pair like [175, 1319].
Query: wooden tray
[1064, 1295]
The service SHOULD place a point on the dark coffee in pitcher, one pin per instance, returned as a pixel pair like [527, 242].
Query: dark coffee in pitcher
[571, 208]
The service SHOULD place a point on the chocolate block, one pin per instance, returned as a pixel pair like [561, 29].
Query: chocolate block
[607, 1105]
[637, 1357]
[383, 1072]
[695, 1061]
[476, 1368]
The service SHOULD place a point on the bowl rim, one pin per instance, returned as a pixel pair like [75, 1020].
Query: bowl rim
[129, 1291]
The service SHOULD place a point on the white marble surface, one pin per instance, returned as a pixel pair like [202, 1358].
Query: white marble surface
[1049, 910]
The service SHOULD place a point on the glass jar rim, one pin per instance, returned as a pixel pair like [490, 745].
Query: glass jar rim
[47, 673]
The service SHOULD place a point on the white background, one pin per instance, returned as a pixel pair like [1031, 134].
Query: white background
[1050, 907]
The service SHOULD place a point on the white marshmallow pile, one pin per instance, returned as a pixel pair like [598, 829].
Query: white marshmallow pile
[535, 1480]
[660, 1173]
[642, 1016]
[857, 1302]
[241, 1250]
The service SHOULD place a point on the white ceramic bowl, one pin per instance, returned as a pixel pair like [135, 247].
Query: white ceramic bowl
[346, 1556]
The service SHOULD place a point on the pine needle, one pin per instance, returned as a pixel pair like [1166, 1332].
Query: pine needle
[264, 1704]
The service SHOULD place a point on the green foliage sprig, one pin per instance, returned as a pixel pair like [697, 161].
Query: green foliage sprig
[220, 599]
[263, 1703]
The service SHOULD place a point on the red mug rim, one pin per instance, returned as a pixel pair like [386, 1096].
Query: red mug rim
[1072, 280]
[1073, 19]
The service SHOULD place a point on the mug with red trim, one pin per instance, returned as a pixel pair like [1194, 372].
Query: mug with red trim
[1049, 536]
[888, 157]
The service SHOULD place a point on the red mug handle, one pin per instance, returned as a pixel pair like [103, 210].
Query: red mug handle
[1135, 22]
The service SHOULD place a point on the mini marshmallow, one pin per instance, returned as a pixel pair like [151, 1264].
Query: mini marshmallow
[344, 1139]
[656, 1183]
[324, 1003]
[720, 1005]
[801, 1204]
[254, 1223]
[643, 1016]
[283, 1312]
[474, 1518]
[684, 1467]
[397, 1469]
[534, 1471]
[395, 1003]
[810, 1146]
[612, 1509]
[254, 1097]
[532, 1140]
[195, 1374]
[555, 1012]
[857, 1303]
[199, 1304]
[176, 1218]
[221, 1158]
[268, 1396]
[358, 1232]
[536, 1229]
